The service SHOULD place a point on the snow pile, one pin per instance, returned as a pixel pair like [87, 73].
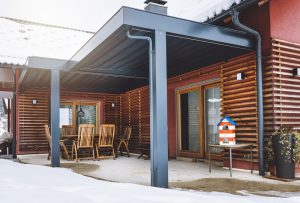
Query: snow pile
[31, 183]
[4, 135]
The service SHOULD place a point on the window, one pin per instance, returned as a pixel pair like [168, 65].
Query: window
[69, 113]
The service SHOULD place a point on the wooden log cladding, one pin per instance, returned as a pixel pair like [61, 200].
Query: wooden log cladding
[135, 112]
[32, 118]
[285, 88]
[239, 100]
[112, 111]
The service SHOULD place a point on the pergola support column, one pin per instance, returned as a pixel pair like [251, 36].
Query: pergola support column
[55, 148]
[158, 112]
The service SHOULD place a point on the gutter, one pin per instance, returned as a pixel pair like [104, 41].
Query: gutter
[259, 74]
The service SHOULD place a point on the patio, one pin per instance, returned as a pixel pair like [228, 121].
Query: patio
[134, 170]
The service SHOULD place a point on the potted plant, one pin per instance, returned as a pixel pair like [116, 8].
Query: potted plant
[283, 149]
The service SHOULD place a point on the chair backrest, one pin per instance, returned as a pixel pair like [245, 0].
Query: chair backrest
[127, 133]
[67, 130]
[107, 134]
[48, 134]
[86, 135]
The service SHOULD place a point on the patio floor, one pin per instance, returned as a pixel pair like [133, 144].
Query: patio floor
[134, 170]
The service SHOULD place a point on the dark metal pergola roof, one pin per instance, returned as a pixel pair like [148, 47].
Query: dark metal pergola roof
[110, 62]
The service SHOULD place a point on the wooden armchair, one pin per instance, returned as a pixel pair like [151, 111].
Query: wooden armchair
[124, 139]
[106, 140]
[67, 130]
[85, 141]
[61, 144]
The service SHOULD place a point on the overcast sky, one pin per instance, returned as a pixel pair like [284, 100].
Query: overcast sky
[87, 15]
[90, 15]
[82, 14]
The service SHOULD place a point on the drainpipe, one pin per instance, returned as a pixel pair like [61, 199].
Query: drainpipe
[235, 20]
[153, 170]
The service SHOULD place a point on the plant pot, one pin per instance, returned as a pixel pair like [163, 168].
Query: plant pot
[285, 167]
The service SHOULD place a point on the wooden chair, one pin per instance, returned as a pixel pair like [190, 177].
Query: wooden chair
[106, 140]
[124, 139]
[85, 140]
[67, 130]
[61, 143]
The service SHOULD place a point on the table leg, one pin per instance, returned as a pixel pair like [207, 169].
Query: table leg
[230, 161]
[209, 163]
[251, 156]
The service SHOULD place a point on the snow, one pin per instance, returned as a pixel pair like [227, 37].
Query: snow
[31, 183]
[22, 39]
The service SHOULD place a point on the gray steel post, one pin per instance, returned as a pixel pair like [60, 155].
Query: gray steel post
[55, 148]
[159, 129]
[14, 140]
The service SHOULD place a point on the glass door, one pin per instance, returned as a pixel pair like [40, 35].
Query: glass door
[189, 129]
[212, 114]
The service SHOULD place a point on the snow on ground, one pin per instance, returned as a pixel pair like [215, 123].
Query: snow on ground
[41, 184]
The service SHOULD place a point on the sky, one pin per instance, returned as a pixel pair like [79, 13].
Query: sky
[90, 15]
[87, 15]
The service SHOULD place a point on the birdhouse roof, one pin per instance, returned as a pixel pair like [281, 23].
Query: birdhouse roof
[227, 119]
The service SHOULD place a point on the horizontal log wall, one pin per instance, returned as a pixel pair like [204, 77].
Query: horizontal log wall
[239, 100]
[135, 112]
[112, 112]
[32, 118]
[286, 87]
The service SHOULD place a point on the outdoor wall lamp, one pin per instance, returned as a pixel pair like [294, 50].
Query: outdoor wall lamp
[34, 101]
[113, 105]
[296, 72]
[240, 76]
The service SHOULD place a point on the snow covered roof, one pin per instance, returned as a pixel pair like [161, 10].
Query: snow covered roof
[200, 10]
[20, 39]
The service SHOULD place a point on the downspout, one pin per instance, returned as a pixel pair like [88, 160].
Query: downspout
[235, 20]
[152, 137]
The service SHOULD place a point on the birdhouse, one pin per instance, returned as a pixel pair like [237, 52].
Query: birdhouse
[227, 131]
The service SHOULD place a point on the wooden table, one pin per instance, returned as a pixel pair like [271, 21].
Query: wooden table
[230, 147]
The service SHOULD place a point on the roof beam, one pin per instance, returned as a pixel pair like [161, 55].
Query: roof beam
[192, 29]
[45, 63]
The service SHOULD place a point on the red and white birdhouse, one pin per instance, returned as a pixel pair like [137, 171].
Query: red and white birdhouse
[227, 131]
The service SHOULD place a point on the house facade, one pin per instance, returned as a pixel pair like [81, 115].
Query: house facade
[197, 97]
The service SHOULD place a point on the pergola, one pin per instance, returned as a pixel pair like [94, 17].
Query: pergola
[135, 48]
